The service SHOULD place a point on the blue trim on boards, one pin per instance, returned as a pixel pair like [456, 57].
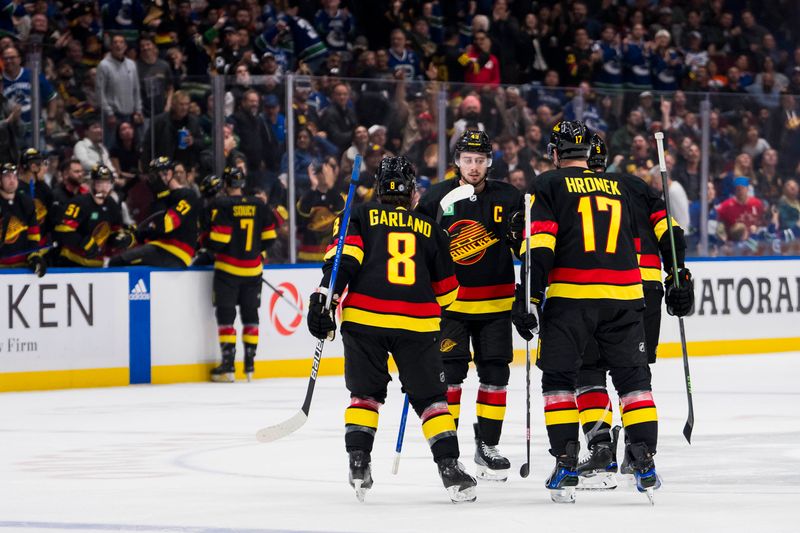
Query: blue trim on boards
[139, 326]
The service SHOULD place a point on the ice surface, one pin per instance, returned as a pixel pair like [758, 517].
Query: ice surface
[180, 458]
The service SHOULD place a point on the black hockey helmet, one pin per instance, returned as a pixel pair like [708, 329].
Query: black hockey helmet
[597, 154]
[395, 177]
[474, 141]
[7, 168]
[31, 155]
[161, 163]
[570, 139]
[101, 172]
[156, 167]
[233, 177]
[210, 186]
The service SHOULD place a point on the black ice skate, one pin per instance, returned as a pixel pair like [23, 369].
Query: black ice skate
[360, 473]
[644, 469]
[249, 362]
[224, 373]
[459, 484]
[491, 465]
[564, 478]
[598, 470]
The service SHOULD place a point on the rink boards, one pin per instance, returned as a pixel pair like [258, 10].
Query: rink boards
[88, 328]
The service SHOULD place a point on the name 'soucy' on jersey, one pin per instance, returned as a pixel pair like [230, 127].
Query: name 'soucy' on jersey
[241, 229]
[395, 265]
[484, 260]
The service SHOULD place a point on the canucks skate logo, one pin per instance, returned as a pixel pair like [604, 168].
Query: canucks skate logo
[447, 345]
[139, 291]
[469, 241]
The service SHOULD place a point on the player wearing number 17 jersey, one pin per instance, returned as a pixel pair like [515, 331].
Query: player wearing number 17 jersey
[583, 252]
[399, 275]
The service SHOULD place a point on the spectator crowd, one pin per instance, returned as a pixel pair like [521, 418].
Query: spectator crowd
[122, 82]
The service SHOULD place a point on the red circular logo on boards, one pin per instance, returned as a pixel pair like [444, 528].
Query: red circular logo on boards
[284, 318]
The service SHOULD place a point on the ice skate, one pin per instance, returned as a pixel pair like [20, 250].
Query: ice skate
[564, 478]
[224, 373]
[644, 470]
[598, 470]
[360, 473]
[491, 465]
[249, 363]
[459, 484]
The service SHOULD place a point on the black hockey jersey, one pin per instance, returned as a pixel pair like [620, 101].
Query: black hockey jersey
[42, 197]
[176, 230]
[582, 241]
[19, 232]
[650, 213]
[316, 213]
[484, 260]
[86, 230]
[241, 227]
[397, 270]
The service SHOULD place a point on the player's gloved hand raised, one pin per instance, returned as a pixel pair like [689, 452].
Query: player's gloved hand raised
[516, 228]
[321, 323]
[680, 301]
[37, 264]
[527, 323]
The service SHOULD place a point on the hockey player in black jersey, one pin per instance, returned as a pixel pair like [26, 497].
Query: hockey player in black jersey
[170, 234]
[481, 313]
[32, 184]
[583, 252]
[19, 231]
[399, 276]
[240, 229]
[91, 228]
[594, 406]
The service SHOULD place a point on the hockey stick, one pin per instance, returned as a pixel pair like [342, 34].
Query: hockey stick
[287, 427]
[525, 469]
[280, 293]
[400, 434]
[461, 192]
[687, 429]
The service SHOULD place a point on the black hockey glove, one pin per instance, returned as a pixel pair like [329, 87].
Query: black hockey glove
[680, 301]
[516, 229]
[145, 232]
[527, 324]
[123, 239]
[37, 263]
[321, 323]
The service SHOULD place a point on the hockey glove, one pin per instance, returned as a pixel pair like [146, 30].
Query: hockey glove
[145, 232]
[37, 263]
[123, 239]
[516, 228]
[320, 320]
[527, 323]
[680, 301]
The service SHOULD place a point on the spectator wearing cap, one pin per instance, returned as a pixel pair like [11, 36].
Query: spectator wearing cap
[275, 119]
[256, 138]
[339, 120]
[119, 89]
[230, 53]
[155, 76]
[742, 208]
[377, 135]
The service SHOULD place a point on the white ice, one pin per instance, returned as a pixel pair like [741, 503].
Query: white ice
[179, 458]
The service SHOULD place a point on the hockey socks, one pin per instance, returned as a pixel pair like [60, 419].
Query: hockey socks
[439, 429]
[491, 410]
[595, 413]
[361, 423]
[640, 419]
[561, 419]
[454, 401]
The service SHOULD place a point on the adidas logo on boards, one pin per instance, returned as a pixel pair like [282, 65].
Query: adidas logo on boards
[139, 291]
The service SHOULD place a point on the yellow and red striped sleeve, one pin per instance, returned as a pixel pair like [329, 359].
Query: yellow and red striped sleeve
[172, 220]
[353, 247]
[445, 290]
[543, 235]
[658, 220]
[268, 232]
[220, 233]
[68, 225]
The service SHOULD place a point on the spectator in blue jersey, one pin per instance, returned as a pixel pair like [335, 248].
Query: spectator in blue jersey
[275, 119]
[124, 17]
[308, 47]
[548, 93]
[339, 120]
[308, 152]
[17, 85]
[9, 9]
[667, 63]
[582, 107]
[401, 58]
[636, 56]
[336, 26]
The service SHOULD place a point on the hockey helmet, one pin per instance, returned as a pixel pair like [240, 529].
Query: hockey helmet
[31, 155]
[597, 154]
[474, 141]
[210, 186]
[570, 139]
[101, 172]
[233, 177]
[161, 163]
[395, 177]
[8, 168]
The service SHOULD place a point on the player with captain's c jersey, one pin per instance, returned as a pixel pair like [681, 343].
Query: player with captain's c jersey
[481, 313]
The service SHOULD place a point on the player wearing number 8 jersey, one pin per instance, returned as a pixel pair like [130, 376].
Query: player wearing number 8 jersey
[583, 252]
[399, 276]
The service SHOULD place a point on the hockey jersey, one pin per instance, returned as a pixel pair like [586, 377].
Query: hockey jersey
[42, 197]
[241, 228]
[396, 268]
[582, 243]
[19, 232]
[176, 230]
[86, 230]
[484, 261]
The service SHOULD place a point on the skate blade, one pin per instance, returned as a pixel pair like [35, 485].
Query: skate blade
[361, 492]
[485, 473]
[595, 481]
[462, 496]
[249, 376]
[649, 493]
[565, 495]
[224, 378]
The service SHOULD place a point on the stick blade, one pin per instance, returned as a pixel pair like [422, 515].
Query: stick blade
[687, 430]
[524, 470]
[456, 195]
[285, 428]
